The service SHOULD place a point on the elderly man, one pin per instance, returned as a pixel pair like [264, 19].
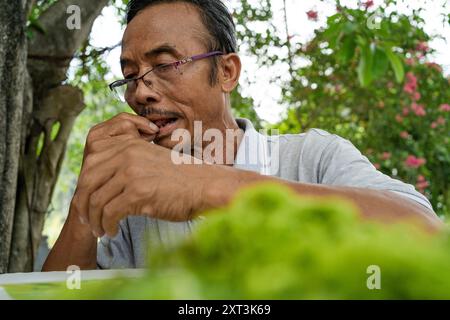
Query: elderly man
[138, 187]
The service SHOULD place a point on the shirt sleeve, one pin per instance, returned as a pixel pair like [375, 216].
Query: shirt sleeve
[116, 253]
[341, 163]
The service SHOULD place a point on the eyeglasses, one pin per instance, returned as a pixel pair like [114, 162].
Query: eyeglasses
[167, 72]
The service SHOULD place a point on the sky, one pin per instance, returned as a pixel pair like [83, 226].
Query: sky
[107, 31]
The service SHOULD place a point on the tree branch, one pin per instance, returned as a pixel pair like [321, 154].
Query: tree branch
[59, 41]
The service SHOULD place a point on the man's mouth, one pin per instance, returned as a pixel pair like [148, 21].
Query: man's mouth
[161, 123]
[166, 125]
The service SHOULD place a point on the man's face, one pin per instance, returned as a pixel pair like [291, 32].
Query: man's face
[162, 34]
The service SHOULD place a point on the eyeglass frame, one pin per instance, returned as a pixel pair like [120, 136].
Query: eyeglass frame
[176, 64]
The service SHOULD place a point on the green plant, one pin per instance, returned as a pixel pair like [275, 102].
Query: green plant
[273, 244]
[378, 88]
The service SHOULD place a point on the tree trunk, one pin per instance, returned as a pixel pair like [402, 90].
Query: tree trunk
[37, 113]
[12, 75]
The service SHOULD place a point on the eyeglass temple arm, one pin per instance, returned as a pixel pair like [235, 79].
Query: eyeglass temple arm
[206, 55]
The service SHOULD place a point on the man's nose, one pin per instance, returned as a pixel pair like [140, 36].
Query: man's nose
[145, 92]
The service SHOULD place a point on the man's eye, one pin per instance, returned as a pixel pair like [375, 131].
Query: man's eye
[131, 76]
[163, 67]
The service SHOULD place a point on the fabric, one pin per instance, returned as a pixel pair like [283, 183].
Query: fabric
[315, 156]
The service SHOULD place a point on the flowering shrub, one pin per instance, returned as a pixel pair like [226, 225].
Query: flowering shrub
[377, 87]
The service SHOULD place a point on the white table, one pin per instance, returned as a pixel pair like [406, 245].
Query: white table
[62, 276]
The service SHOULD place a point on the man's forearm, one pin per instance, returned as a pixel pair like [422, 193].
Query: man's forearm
[75, 246]
[373, 204]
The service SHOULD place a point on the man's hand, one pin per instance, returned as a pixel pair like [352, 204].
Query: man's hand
[123, 174]
[121, 128]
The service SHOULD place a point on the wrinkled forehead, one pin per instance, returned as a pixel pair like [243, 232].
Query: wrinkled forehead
[176, 23]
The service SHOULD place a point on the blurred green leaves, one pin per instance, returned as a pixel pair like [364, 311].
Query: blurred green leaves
[273, 244]
[396, 64]
[365, 62]
[347, 34]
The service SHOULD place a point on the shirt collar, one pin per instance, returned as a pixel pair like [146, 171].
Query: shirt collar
[253, 150]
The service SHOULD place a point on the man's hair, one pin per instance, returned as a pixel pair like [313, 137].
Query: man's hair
[215, 17]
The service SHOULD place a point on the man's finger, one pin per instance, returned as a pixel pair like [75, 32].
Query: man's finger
[97, 170]
[110, 143]
[82, 194]
[117, 209]
[94, 159]
[123, 123]
[99, 199]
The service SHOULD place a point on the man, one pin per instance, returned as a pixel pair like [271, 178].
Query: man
[180, 65]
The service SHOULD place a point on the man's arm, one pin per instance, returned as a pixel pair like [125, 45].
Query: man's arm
[75, 246]
[147, 182]
[373, 204]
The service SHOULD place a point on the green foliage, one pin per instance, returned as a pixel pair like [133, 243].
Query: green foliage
[244, 107]
[33, 24]
[272, 244]
[377, 88]
[247, 16]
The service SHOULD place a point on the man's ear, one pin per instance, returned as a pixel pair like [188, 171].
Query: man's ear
[230, 71]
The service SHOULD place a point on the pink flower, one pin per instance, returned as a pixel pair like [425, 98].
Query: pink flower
[421, 186]
[399, 118]
[405, 111]
[312, 15]
[440, 120]
[368, 4]
[377, 166]
[411, 78]
[422, 46]
[418, 109]
[409, 88]
[413, 162]
[416, 96]
[422, 183]
[411, 83]
[385, 155]
[433, 125]
[404, 135]
[444, 107]
[420, 112]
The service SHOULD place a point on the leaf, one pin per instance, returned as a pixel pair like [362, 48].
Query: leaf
[347, 51]
[380, 63]
[396, 64]
[349, 28]
[333, 35]
[365, 65]
[37, 26]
